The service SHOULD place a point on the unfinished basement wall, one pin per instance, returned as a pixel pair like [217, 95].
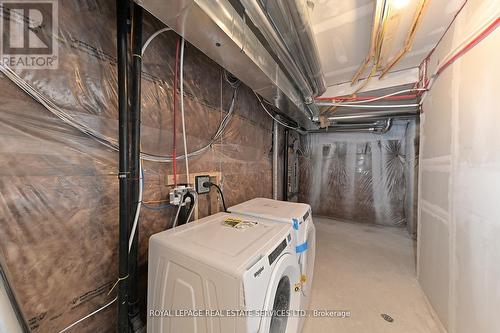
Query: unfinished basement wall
[458, 244]
[59, 187]
[361, 177]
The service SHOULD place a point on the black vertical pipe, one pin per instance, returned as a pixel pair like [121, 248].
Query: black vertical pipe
[122, 63]
[285, 166]
[135, 137]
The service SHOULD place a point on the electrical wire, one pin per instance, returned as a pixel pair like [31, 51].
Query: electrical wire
[49, 105]
[462, 49]
[89, 315]
[160, 207]
[210, 184]
[141, 182]
[274, 118]
[150, 39]
[130, 241]
[155, 201]
[193, 205]
[389, 106]
[376, 98]
[221, 195]
[181, 203]
[112, 143]
[182, 111]
[99, 137]
[232, 80]
[138, 207]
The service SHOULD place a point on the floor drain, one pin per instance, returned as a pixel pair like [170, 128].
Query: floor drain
[387, 317]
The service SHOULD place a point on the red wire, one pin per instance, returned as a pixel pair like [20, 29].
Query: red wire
[488, 30]
[174, 139]
[445, 31]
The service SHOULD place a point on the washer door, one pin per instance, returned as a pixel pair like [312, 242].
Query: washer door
[283, 295]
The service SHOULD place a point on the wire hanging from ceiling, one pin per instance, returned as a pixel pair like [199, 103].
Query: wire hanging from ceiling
[273, 117]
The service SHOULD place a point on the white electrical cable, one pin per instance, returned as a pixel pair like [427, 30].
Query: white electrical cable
[193, 205]
[178, 211]
[381, 97]
[181, 69]
[454, 51]
[137, 209]
[49, 105]
[388, 106]
[103, 139]
[150, 39]
[89, 315]
[270, 115]
[130, 241]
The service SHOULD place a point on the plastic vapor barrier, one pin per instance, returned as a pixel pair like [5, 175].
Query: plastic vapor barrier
[59, 186]
[361, 177]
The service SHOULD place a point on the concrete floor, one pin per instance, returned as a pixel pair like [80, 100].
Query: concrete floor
[367, 270]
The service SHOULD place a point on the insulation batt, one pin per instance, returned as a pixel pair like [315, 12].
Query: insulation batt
[59, 187]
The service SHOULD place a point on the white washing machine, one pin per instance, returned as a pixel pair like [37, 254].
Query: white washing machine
[202, 274]
[299, 216]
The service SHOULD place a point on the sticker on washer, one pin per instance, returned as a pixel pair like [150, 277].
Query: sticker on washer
[238, 224]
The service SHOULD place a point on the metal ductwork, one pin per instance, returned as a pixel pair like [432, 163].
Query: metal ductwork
[225, 35]
[285, 26]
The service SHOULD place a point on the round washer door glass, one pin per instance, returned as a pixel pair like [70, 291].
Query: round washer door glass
[281, 306]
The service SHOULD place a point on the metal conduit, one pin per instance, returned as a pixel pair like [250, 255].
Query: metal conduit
[372, 115]
[377, 127]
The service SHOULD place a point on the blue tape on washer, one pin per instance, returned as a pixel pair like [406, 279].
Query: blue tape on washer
[295, 224]
[301, 248]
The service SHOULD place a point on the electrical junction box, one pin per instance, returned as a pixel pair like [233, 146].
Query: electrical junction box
[199, 181]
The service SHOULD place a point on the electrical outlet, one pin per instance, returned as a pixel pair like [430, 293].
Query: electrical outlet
[199, 181]
[177, 194]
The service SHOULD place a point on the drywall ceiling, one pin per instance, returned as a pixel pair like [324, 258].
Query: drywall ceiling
[343, 28]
